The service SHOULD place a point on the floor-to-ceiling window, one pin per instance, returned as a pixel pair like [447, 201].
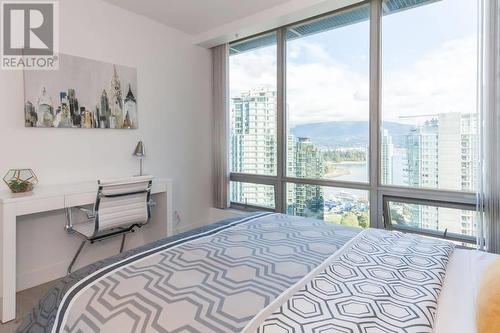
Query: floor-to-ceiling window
[429, 109]
[327, 116]
[253, 146]
[364, 116]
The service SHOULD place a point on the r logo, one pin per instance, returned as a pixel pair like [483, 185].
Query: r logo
[28, 28]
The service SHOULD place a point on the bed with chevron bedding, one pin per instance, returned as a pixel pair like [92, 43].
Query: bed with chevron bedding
[263, 272]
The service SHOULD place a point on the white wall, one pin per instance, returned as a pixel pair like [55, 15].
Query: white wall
[174, 101]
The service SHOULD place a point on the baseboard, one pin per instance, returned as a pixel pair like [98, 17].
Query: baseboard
[214, 215]
[191, 226]
[37, 277]
[217, 214]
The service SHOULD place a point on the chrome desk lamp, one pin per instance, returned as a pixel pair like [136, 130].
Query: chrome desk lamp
[140, 152]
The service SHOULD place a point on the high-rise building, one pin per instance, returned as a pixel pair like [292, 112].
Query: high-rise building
[441, 154]
[422, 149]
[74, 109]
[30, 115]
[253, 151]
[86, 118]
[45, 110]
[105, 111]
[457, 166]
[116, 102]
[253, 144]
[253, 137]
[305, 160]
[130, 109]
[64, 117]
[97, 118]
[399, 165]
[387, 155]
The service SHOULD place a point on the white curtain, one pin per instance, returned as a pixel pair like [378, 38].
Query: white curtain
[489, 189]
[220, 57]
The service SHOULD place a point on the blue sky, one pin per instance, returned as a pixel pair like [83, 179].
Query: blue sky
[429, 66]
[405, 35]
[415, 31]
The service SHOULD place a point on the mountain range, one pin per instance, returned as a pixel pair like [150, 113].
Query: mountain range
[350, 134]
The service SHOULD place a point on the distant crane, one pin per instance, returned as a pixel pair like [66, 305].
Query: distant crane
[417, 116]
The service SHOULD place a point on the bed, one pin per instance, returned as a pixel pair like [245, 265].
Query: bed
[271, 273]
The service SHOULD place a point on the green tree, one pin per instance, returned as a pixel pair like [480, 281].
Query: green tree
[338, 155]
[363, 220]
[397, 218]
[334, 218]
[349, 218]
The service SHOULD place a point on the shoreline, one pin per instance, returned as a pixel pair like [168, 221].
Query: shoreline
[342, 169]
[349, 162]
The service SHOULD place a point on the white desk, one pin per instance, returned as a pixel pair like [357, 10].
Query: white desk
[43, 199]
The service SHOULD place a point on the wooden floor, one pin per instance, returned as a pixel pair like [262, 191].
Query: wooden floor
[26, 299]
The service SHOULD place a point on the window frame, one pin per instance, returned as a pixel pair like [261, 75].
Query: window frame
[378, 192]
[228, 139]
[427, 232]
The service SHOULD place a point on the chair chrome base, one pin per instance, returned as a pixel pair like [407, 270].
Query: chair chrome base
[76, 256]
[122, 245]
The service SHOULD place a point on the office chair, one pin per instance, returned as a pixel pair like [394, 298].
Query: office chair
[121, 206]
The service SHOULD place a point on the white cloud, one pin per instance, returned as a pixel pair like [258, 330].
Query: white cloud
[442, 80]
[324, 90]
[253, 70]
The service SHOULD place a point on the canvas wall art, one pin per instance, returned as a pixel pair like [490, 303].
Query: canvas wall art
[83, 93]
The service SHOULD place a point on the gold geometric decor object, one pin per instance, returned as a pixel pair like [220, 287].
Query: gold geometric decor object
[20, 180]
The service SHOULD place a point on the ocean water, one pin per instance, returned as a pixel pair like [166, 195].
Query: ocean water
[356, 171]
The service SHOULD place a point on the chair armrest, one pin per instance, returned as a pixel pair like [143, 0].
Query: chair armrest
[89, 212]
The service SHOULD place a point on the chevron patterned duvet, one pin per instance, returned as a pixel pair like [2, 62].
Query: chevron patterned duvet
[261, 273]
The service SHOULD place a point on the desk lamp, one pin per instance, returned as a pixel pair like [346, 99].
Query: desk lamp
[140, 152]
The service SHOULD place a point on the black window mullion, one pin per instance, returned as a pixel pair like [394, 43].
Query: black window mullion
[281, 119]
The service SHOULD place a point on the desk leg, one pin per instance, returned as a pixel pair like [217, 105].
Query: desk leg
[8, 258]
[169, 207]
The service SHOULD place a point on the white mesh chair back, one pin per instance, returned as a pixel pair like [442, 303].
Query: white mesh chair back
[122, 203]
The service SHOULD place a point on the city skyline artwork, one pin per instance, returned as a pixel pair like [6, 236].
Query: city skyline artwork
[83, 93]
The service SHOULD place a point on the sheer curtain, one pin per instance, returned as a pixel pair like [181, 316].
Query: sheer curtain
[489, 189]
[220, 58]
